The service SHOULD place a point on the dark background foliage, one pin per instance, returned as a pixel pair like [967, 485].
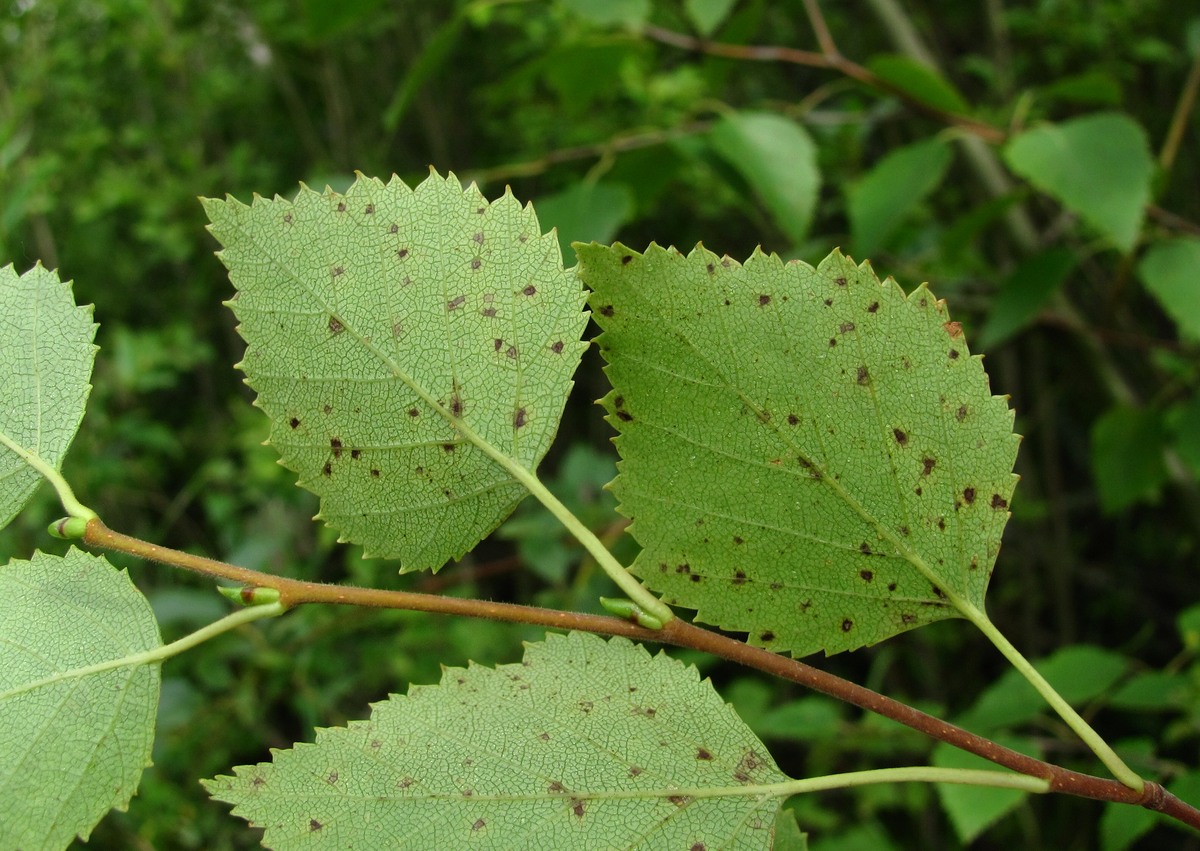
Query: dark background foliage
[116, 114]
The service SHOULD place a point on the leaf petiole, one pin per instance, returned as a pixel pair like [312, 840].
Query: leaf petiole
[1073, 719]
[65, 495]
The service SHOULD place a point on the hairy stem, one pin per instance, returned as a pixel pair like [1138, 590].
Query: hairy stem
[294, 592]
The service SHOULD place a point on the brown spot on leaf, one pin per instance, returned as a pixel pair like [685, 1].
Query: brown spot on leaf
[624, 416]
[938, 592]
[335, 326]
[679, 800]
[891, 586]
[928, 464]
[847, 625]
[683, 568]
[555, 787]
[606, 310]
[626, 260]
[519, 418]
[954, 329]
[998, 502]
[335, 444]
[314, 825]
[738, 539]
[341, 207]
[369, 209]
[478, 238]
[862, 376]
[413, 412]
[456, 405]
[497, 344]
[764, 300]
[557, 347]
[529, 290]
[872, 307]
[402, 253]
[845, 327]
[711, 268]
[900, 435]
[478, 825]
[969, 496]
[961, 413]
[328, 409]
[337, 271]
[447, 448]
[393, 228]
[355, 454]
[739, 577]
[793, 420]
[766, 637]
[841, 282]
[865, 548]
[511, 352]
[489, 312]
[832, 342]
[476, 263]
[867, 575]
[954, 353]
[456, 302]
[288, 218]
[294, 422]
[374, 473]
[704, 754]
[907, 619]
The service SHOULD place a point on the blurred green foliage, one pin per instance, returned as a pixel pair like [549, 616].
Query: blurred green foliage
[116, 114]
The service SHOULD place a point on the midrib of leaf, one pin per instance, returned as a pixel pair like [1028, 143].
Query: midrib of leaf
[519, 473]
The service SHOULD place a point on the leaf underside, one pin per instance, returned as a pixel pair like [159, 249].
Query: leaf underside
[383, 324]
[523, 756]
[46, 355]
[808, 455]
[70, 750]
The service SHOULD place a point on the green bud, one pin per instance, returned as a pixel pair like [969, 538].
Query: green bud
[630, 611]
[249, 595]
[69, 528]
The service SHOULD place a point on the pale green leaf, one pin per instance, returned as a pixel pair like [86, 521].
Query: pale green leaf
[71, 749]
[778, 159]
[973, 809]
[46, 355]
[1171, 271]
[587, 743]
[395, 338]
[881, 201]
[809, 455]
[1099, 166]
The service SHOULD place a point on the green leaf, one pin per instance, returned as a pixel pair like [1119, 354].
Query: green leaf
[1171, 272]
[1127, 457]
[1099, 166]
[1153, 691]
[46, 355]
[1183, 420]
[400, 340]
[73, 748]
[707, 15]
[1121, 825]
[973, 809]
[778, 159]
[919, 80]
[607, 13]
[886, 196]
[788, 836]
[585, 744]
[1079, 672]
[1025, 292]
[808, 454]
[585, 212]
